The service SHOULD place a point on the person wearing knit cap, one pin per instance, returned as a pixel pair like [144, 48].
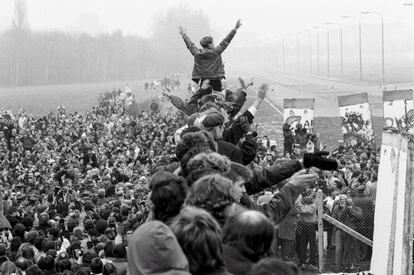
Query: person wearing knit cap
[154, 249]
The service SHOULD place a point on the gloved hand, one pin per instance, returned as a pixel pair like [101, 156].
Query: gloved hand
[318, 160]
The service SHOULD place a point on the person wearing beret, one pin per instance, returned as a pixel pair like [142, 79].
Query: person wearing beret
[214, 123]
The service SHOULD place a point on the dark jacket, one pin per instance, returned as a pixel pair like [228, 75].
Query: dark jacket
[121, 266]
[191, 106]
[229, 150]
[235, 262]
[207, 62]
[270, 176]
[281, 203]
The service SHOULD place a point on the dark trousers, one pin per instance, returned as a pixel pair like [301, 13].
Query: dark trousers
[306, 234]
[214, 83]
[287, 250]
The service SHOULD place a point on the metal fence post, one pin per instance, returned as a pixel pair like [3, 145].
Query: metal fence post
[319, 202]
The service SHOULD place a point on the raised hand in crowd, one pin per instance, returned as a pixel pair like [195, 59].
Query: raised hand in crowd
[238, 24]
[303, 179]
[181, 30]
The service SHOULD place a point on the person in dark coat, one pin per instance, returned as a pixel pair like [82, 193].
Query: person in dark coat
[199, 235]
[366, 226]
[207, 61]
[247, 238]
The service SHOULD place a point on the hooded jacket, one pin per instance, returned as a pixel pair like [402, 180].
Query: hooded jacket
[154, 249]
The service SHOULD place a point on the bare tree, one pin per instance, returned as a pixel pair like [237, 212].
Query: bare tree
[20, 29]
[20, 23]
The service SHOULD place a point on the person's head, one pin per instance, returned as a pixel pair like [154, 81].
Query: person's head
[250, 232]
[119, 251]
[205, 164]
[23, 263]
[342, 200]
[46, 263]
[273, 266]
[192, 144]
[27, 252]
[238, 174]
[167, 197]
[214, 123]
[34, 270]
[213, 193]
[109, 269]
[88, 257]
[207, 42]
[96, 265]
[158, 248]
[15, 243]
[62, 265]
[199, 235]
[8, 267]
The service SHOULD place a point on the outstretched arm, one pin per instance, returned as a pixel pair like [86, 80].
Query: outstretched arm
[190, 45]
[226, 41]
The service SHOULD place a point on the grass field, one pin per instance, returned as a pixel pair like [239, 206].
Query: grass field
[80, 97]
[76, 97]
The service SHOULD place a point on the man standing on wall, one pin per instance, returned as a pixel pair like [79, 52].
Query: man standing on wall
[207, 61]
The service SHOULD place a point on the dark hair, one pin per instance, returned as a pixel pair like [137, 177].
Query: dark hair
[34, 270]
[206, 41]
[63, 265]
[48, 244]
[96, 265]
[119, 251]
[167, 197]
[27, 252]
[109, 249]
[109, 269]
[15, 243]
[192, 144]
[273, 266]
[199, 235]
[46, 263]
[250, 232]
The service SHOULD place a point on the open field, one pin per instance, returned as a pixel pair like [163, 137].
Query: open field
[80, 97]
[76, 97]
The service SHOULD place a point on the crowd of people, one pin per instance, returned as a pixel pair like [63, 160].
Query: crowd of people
[115, 191]
[81, 192]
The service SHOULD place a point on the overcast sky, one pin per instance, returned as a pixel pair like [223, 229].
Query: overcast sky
[267, 18]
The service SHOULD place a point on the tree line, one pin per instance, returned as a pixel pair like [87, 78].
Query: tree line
[39, 58]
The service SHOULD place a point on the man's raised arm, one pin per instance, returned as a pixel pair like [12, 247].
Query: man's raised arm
[190, 45]
[226, 41]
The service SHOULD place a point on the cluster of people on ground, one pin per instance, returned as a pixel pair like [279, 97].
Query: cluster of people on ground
[170, 83]
[110, 191]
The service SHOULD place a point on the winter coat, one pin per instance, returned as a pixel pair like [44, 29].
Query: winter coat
[207, 62]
